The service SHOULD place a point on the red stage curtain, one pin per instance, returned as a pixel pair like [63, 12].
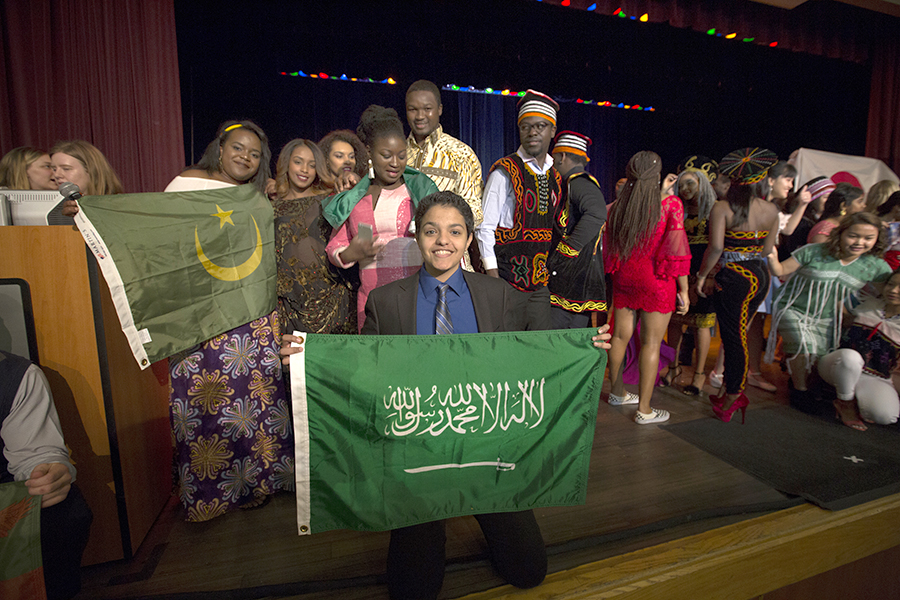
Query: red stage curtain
[883, 139]
[105, 71]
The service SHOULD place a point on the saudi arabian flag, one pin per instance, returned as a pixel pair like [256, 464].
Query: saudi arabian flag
[395, 430]
[21, 568]
[182, 267]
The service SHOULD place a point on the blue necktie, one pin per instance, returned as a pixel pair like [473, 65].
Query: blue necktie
[442, 321]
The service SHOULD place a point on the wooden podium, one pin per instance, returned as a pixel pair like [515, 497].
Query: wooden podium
[115, 417]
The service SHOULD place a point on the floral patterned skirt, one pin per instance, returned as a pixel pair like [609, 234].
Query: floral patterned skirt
[231, 424]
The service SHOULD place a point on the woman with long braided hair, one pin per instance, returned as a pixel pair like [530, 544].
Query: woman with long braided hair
[646, 251]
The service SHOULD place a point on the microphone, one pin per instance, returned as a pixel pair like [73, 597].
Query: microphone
[70, 191]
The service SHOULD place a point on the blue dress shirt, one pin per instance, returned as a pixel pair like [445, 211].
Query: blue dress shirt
[459, 302]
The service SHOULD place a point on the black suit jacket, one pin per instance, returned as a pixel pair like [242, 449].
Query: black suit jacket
[391, 308]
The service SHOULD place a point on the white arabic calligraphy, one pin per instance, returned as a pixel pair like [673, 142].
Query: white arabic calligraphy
[464, 408]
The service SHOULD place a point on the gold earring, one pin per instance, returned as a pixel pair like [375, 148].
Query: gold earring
[371, 170]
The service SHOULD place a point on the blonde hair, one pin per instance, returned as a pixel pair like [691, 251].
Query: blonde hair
[879, 193]
[102, 181]
[14, 166]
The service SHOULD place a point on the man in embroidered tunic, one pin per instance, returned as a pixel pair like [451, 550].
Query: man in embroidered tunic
[577, 282]
[520, 202]
[451, 164]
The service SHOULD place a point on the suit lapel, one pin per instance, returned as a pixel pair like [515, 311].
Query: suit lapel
[406, 305]
[481, 303]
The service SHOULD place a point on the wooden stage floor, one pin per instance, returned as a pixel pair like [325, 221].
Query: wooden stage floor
[647, 487]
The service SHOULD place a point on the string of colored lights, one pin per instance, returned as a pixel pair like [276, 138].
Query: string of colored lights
[646, 17]
[469, 89]
[606, 103]
[389, 80]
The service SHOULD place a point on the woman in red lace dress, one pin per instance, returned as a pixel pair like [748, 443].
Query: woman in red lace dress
[646, 251]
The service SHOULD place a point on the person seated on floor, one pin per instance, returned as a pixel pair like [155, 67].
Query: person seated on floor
[32, 450]
[860, 370]
[473, 303]
[807, 311]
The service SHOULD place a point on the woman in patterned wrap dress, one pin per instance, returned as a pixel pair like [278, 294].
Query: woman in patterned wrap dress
[231, 425]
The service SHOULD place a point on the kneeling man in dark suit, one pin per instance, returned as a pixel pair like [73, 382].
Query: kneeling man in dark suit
[442, 298]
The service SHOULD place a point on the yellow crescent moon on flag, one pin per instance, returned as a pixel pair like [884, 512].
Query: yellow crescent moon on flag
[231, 273]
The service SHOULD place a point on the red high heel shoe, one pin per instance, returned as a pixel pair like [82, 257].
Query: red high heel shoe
[725, 414]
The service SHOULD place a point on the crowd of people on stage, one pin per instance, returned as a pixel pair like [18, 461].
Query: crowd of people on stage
[678, 254]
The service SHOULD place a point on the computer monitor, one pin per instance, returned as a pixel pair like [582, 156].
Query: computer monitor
[35, 207]
[17, 334]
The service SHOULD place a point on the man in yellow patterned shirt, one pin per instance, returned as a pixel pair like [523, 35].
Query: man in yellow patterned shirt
[451, 164]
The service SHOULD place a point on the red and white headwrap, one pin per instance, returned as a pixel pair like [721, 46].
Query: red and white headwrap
[572, 142]
[536, 104]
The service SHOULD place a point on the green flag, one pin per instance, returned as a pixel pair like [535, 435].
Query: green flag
[182, 267]
[395, 430]
[21, 568]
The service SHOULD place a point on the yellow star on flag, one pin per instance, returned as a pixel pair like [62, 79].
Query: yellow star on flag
[224, 216]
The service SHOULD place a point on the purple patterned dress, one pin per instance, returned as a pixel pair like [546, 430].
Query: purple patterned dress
[230, 420]
[231, 425]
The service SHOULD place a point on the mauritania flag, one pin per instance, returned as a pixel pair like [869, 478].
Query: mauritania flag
[182, 267]
[21, 570]
[395, 430]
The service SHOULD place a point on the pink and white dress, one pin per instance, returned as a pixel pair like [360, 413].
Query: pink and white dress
[399, 256]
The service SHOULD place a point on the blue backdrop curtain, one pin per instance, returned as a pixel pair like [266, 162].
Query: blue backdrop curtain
[487, 123]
